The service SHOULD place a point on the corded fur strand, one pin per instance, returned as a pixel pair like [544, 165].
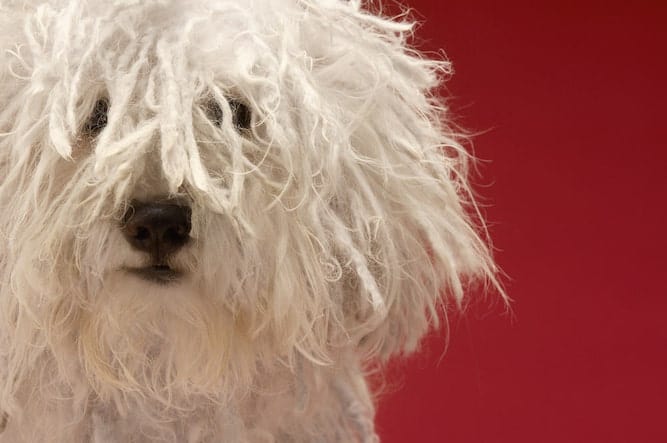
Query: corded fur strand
[326, 236]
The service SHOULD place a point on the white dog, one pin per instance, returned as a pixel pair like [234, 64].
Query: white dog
[216, 216]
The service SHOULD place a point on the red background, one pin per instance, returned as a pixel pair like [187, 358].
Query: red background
[571, 98]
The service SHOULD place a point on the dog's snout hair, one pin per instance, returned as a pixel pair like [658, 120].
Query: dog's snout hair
[158, 228]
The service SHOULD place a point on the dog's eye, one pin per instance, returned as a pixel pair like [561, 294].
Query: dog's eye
[98, 118]
[241, 115]
[214, 112]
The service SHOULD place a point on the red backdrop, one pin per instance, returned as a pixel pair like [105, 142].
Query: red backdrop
[570, 99]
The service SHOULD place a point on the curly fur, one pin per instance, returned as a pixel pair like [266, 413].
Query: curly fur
[324, 238]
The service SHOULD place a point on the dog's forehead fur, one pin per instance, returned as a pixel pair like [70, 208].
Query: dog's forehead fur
[156, 60]
[326, 234]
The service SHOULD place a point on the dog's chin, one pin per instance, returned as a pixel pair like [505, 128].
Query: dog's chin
[155, 331]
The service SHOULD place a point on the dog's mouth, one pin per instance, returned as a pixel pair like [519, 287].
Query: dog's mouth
[159, 273]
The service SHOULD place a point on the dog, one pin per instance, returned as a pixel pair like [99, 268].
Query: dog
[218, 216]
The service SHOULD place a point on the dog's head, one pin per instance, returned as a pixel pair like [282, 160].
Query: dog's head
[191, 190]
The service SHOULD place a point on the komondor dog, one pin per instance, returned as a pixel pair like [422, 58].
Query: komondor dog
[217, 216]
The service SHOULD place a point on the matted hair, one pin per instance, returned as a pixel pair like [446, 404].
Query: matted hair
[327, 229]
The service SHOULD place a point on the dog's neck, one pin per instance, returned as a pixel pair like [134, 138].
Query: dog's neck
[287, 406]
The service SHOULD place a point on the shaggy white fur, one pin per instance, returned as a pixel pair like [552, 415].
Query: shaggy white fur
[327, 230]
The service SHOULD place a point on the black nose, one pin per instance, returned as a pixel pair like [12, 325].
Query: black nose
[157, 228]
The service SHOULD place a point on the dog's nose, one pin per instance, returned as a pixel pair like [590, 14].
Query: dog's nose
[157, 228]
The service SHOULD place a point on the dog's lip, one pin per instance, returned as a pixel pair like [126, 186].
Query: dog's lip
[157, 273]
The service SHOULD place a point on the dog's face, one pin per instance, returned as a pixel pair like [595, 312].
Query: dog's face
[190, 193]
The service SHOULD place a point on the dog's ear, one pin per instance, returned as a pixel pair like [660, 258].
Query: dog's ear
[402, 215]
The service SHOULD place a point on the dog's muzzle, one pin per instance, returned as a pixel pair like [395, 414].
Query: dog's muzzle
[159, 229]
